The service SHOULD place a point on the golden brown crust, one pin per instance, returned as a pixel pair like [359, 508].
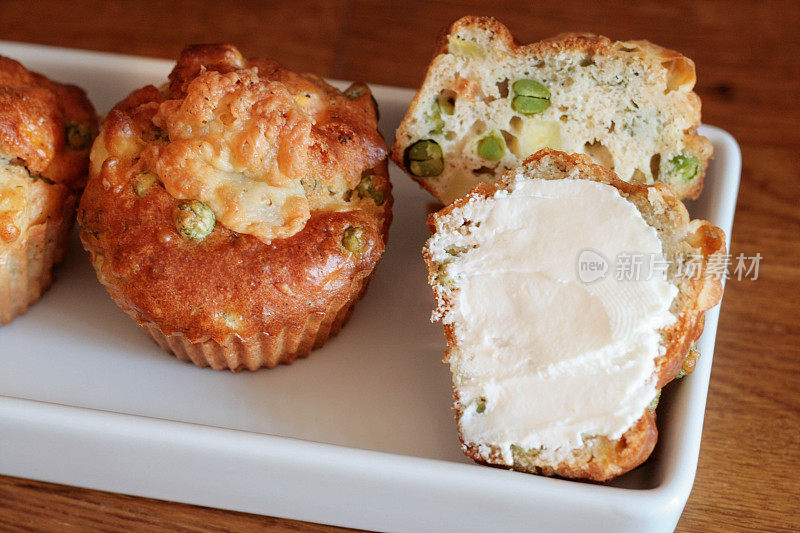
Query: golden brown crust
[35, 114]
[235, 285]
[187, 287]
[604, 459]
[680, 67]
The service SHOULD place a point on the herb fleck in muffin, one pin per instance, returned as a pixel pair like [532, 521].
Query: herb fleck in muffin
[239, 211]
[46, 130]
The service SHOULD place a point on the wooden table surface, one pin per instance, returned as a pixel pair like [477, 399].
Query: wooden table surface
[748, 64]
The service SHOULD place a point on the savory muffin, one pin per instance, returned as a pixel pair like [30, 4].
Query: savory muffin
[239, 211]
[46, 130]
[488, 102]
[569, 299]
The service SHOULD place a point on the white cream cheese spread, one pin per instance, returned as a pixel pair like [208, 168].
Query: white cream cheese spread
[547, 360]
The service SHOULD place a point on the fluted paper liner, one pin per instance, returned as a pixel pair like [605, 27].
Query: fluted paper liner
[262, 349]
[26, 268]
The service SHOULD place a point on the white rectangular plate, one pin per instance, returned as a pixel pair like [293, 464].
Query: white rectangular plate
[360, 434]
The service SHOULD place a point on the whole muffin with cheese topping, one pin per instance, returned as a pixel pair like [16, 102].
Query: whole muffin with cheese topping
[46, 130]
[238, 212]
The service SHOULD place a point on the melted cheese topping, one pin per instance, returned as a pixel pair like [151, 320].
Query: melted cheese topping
[238, 143]
[546, 361]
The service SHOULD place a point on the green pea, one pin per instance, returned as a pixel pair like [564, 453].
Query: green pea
[492, 147]
[687, 167]
[194, 220]
[687, 367]
[435, 119]
[528, 105]
[79, 135]
[525, 458]
[654, 403]
[530, 97]
[443, 104]
[446, 103]
[424, 158]
[353, 239]
[519, 450]
[457, 251]
[530, 88]
[358, 91]
[366, 189]
[444, 276]
[143, 182]
[480, 405]
[354, 92]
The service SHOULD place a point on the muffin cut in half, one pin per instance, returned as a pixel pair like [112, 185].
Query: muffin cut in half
[239, 211]
[46, 131]
[487, 103]
[558, 343]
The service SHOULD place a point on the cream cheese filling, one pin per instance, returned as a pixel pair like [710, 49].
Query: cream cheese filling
[547, 361]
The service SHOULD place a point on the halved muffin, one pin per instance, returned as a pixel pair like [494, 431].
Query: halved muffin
[46, 130]
[488, 102]
[569, 299]
[239, 211]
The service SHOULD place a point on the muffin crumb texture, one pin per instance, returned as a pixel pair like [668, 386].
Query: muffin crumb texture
[487, 103]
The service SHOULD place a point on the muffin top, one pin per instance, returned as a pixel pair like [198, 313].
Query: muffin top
[45, 126]
[240, 197]
[260, 145]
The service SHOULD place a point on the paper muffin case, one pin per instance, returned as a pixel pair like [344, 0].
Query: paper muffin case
[26, 269]
[261, 350]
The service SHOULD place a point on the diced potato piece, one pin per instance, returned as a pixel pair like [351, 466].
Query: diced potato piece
[460, 47]
[538, 134]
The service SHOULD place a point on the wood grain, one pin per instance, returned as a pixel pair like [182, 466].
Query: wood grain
[749, 79]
